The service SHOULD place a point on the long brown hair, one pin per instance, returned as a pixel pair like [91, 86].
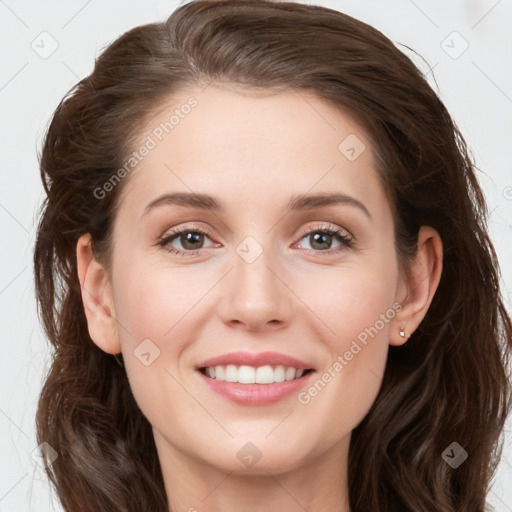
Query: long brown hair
[449, 383]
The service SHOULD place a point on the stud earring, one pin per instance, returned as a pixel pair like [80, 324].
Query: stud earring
[403, 334]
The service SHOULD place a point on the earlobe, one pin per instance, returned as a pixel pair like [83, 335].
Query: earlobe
[420, 285]
[97, 298]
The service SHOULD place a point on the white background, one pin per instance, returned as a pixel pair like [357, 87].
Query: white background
[476, 87]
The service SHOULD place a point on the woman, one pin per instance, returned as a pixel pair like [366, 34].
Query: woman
[264, 267]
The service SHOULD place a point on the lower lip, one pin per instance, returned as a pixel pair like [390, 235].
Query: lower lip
[256, 394]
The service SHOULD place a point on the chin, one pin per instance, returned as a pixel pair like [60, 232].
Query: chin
[259, 456]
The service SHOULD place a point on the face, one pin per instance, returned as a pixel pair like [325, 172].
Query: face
[288, 281]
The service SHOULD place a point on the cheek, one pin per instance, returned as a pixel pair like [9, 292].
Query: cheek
[154, 302]
[350, 301]
[357, 307]
[156, 313]
[154, 340]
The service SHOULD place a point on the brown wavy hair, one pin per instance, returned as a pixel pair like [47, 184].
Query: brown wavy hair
[449, 383]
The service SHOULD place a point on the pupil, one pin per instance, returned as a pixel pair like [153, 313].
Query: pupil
[320, 238]
[191, 238]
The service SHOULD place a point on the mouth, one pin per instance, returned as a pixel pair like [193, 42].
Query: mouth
[244, 374]
[245, 378]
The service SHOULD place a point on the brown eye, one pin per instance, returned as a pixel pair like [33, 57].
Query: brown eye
[191, 240]
[319, 240]
[322, 238]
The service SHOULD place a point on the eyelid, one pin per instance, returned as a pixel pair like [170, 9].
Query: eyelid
[337, 231]
[346, 239]
[324, 227]
[187, 227]
[301, 233]
[176, 231]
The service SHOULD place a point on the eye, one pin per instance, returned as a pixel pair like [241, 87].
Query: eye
[191, 239]
[320, 237]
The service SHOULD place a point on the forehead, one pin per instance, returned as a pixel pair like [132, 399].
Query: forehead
[252, 148]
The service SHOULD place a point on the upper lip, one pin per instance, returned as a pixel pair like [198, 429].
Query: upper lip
[256, 360]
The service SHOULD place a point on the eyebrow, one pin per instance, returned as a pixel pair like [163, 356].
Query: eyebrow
[296, 203]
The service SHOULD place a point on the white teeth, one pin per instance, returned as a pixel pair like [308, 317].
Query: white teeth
[231, 374]
[251, 375]
[290, 373]
[265, 375]
[247, 375]
[279, 373]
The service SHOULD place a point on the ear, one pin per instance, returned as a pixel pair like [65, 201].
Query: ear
[97, 298]
[417, 288]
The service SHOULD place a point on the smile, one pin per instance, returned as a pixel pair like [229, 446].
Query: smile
[247, 378]
[244, 374]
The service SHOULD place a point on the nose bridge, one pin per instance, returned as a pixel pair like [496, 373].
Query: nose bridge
[252, 264]
[256, 295]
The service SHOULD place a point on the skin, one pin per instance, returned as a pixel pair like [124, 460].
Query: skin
[254, 152]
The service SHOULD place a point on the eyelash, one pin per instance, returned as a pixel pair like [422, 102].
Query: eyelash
[346, 240]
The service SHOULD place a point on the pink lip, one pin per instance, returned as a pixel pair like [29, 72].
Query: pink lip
[256, 360]
[256, 394]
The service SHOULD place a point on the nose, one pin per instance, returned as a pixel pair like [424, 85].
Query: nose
[256, 295]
